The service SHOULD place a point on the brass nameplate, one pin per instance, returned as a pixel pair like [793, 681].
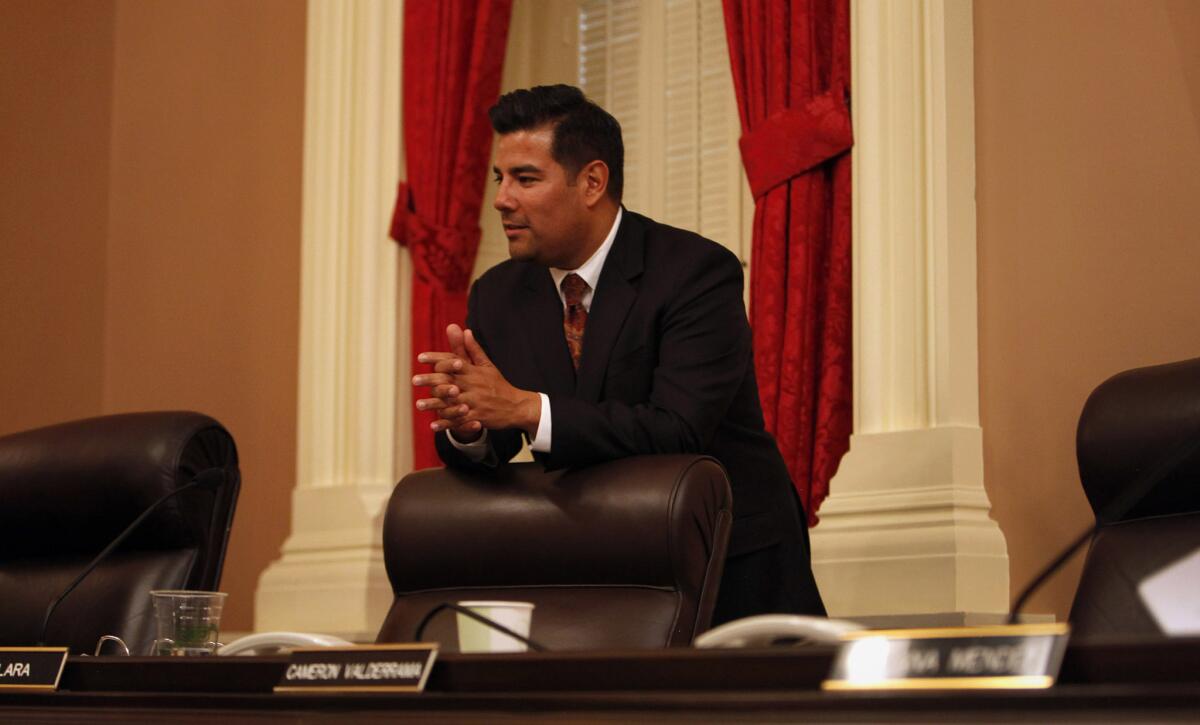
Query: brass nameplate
[1022, 656]
[369, 668]
[31, 668]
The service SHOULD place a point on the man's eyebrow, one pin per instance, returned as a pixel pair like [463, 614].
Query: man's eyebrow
[522, 169]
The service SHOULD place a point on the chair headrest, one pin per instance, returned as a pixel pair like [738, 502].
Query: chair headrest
[1141, 424]
[74, 486]
[634, 521]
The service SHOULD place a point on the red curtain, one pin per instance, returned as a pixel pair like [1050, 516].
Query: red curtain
[453, 55]
[791, 71]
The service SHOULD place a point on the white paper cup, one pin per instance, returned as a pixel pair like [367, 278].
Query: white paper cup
[475, 636]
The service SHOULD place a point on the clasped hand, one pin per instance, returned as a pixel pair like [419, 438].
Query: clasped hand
[470, 394]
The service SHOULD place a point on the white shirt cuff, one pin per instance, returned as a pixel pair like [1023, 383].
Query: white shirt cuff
[541, 441]
[476, 451]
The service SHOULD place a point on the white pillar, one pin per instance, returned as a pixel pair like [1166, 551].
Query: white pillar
[906, 530]
[330, 577]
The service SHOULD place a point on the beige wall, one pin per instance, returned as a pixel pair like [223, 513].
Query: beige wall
[56, 61]
[1088, 147]
[204, 241]
[150, 221]
[164, 272]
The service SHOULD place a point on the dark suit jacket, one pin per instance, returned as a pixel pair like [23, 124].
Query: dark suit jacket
[667, 368]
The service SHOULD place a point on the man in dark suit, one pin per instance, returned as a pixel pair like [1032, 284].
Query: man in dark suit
[607, 335]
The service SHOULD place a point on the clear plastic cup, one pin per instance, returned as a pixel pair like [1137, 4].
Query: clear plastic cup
[189, 622]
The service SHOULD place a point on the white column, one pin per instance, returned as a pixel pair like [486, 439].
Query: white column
[906, 530]
[330, 577]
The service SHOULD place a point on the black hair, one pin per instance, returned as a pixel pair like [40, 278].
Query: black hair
[583, 131]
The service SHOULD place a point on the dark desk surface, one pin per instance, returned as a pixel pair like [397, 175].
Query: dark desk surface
[1100, 682]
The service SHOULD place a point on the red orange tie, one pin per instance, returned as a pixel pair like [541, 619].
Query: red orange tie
[575, 316]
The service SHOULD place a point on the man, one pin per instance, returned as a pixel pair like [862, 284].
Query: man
[607, 335]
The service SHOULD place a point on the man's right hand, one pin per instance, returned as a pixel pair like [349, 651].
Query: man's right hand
[444, 391]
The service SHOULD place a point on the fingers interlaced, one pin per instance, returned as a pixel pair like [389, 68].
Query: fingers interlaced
[442, 382]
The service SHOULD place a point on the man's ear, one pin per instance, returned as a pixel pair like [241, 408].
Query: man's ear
[593, 179]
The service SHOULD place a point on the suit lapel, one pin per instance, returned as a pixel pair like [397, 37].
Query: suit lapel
[542, 310]
[614, 296]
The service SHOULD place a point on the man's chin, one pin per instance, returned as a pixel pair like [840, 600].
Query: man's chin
[520, 251]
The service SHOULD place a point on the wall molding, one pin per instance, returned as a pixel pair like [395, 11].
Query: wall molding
[906, 529]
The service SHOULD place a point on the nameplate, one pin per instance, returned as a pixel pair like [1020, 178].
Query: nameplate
[1023, 656]
[31, 668]
[370, 668]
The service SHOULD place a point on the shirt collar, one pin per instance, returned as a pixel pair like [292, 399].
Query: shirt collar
[590, 270]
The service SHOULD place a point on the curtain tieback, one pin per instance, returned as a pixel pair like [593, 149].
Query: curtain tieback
[439, 252]
[792, 141]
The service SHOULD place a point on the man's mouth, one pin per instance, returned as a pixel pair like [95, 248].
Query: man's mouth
[511, 229]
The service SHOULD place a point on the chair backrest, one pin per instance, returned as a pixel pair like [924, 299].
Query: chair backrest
[1139, 425]
[626, 554]
[68, 490]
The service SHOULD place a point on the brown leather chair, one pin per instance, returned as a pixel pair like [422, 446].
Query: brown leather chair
[68, 490]
[627, 554]
[1139, 427]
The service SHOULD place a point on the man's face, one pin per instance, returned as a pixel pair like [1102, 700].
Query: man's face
[541, 204]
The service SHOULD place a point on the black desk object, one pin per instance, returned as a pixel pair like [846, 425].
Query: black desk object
[1101, 681]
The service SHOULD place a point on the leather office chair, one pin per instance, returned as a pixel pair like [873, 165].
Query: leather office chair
[1139, 425]
[68, 490]
[627, 554]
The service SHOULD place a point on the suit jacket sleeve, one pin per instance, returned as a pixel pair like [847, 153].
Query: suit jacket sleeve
[502, 444]
[697, 364]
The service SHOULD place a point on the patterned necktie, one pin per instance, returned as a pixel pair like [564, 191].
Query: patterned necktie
[575, 316]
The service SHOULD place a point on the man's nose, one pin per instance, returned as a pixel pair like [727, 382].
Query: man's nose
[503, 200]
